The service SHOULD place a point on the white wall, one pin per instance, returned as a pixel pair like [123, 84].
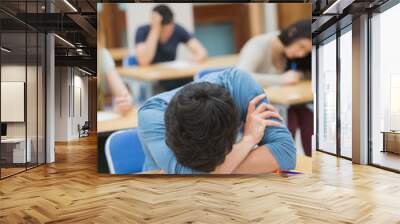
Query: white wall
[80, 100]
[67, 115]
[15, 73]
[61, 103]
[140, 14]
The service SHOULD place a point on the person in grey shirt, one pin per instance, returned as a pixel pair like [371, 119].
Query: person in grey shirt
[271, 58]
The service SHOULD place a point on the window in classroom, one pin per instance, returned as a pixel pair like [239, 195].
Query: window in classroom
[385, 89]
[345, 94]
[327, 96]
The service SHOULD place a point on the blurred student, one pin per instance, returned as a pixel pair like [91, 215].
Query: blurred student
[195, 128]
[109, 79]
[158, 42]
[283, 58]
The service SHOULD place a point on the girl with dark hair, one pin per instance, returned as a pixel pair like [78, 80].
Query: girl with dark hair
[270, 57]
[283, 58]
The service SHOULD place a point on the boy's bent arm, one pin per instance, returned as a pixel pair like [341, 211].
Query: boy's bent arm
[277, 146]
[235, 157]
[260, 160]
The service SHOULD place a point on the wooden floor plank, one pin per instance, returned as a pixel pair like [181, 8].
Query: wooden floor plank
[71, 191]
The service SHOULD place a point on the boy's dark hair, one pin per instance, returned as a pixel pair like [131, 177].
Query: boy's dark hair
[201, 125]
[298, 30]
[165, 12]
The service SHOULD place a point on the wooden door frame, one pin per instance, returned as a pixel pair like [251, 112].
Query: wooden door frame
[113, 20]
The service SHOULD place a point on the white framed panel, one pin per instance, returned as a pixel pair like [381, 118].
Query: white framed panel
[12, 101]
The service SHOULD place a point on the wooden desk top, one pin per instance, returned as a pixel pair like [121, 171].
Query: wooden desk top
[118, 53]
[299, 93]
[303, 164]
[129, 120]
[162, 72]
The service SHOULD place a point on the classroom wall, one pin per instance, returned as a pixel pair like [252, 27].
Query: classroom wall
[270, 15]
[289, 13]
[71, 96]
[140, 13]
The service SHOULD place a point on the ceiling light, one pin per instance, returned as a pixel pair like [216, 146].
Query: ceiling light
[84, 71]
[70, 5]
[5, 50]
[337, 7]
[64, 40]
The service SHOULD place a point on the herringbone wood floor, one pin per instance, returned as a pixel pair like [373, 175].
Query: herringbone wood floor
[70, 191]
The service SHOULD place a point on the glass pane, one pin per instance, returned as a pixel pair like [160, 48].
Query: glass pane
[327, 96]
[385, 89]
[31, 98]
[13, 86]
[32, 86]
[346, 94]
[41, 99]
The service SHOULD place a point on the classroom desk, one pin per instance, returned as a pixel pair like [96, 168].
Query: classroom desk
[120, 122]
[303, 164]
[289, 95]
[160, 71]
[106, 127]
[118, 54]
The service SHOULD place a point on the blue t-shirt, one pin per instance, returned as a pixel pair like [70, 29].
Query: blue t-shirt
[243, 89]
[165, 51]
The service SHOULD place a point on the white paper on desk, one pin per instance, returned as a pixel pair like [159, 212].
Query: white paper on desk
[106, 115]
[294, 96]
[178, 64]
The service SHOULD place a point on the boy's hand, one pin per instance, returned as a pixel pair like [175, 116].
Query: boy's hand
[258, 119]
[123, 103]
[156, 20]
